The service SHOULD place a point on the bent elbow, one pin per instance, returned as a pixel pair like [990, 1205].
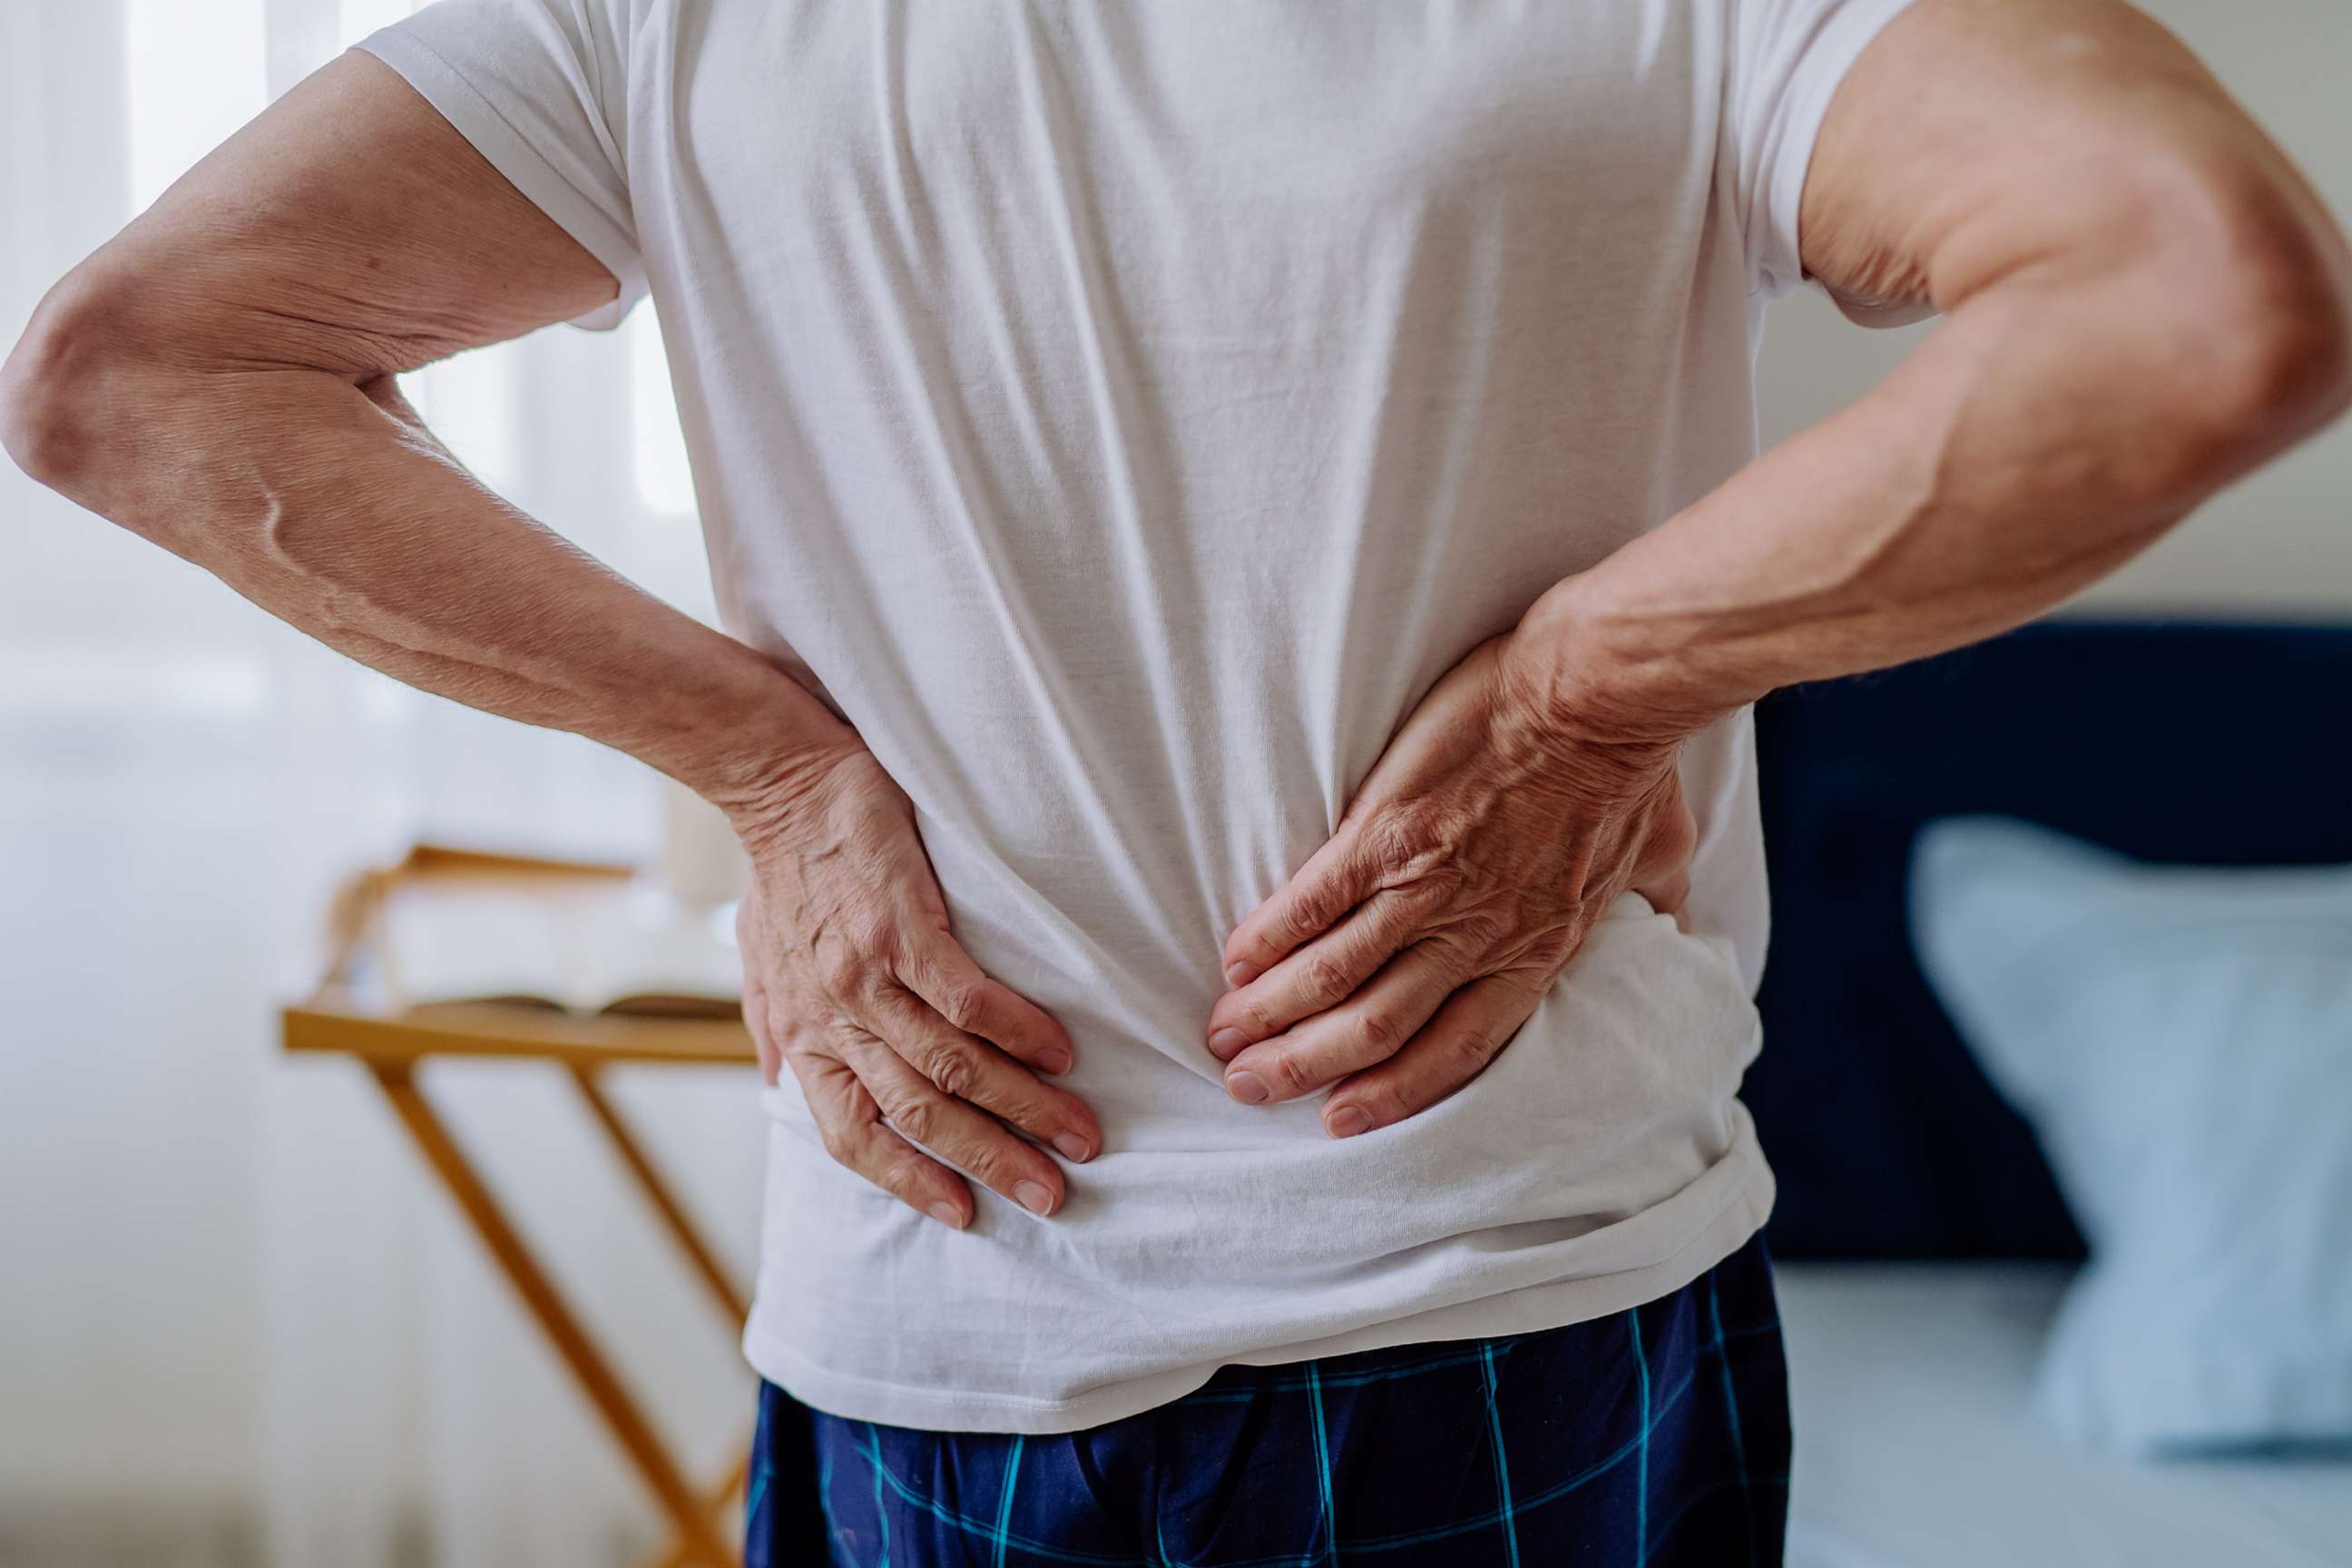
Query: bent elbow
[34, 428]
[2293, 369]
[51, 388]
[2266, 296]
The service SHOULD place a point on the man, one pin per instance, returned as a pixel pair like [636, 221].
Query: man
[1247, 567]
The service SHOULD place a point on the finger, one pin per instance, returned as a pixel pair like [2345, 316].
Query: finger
[944, 975]
[755, 1021]
[755, 988]
[1451, 1049]
[948, 1126]
[1662, 867]
[1318, 976]
[1365, 1030]
[851, 1124]
[967, 1067]
[1333, 881]
[1667, 895]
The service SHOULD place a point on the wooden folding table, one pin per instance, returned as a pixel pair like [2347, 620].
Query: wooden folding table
[348, 1013]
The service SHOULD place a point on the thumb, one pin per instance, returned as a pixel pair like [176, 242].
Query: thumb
[1661, 870]
[755, 992]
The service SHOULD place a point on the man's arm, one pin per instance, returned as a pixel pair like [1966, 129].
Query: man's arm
[2143, 301]
[219, 379]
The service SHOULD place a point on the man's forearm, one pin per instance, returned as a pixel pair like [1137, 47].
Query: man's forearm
[327, 504]
[2056, 424]
[219, 379]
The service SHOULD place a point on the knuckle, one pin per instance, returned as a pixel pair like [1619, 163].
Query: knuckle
[839, 1038]
[964, 1002]
[1439, 881]
[916, 1117]
[1023, 1102]
[1478, 930]
[1469, 1050]
[1291, 1074]
[994, 1164]
[1310, 912]
[1416, 848]
[1380, 1032]
[1394, 845]
[954, 1068]
[1325, 980]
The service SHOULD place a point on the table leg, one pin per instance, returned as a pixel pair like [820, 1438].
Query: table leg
[672, 1214]
[689, 1516]
[718, 1500]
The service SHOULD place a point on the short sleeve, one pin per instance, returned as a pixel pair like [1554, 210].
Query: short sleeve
[1785, 58]
[540, 89]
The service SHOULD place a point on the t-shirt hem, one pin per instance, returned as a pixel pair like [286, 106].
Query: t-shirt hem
[440, 84]
[1529, 1309]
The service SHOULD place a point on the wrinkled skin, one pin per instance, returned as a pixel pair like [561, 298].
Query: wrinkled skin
[1464, 876]
[902, 1047]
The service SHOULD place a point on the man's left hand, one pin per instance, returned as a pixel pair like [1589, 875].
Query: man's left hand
[1467, 873]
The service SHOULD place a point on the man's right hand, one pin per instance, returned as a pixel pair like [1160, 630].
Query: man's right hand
[903, 1047]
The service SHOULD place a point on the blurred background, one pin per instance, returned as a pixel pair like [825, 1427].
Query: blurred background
[239, 1322]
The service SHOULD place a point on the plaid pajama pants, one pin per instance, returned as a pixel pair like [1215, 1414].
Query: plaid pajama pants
[1657, 1437]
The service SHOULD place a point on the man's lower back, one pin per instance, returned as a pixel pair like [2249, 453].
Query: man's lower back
[1602, 1161]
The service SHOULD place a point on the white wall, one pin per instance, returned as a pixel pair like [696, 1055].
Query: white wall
[2279, 545]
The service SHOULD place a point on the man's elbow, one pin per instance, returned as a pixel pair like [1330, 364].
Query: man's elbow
[52, 387]
[41, 391]
[2262, 293]
[33, 426]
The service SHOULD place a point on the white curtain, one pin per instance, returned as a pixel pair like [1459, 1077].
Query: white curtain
[228, 1291]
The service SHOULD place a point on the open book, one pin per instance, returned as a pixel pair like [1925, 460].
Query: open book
[605, 946]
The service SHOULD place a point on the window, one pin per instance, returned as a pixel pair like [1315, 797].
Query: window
[194, 74]
[664, 483]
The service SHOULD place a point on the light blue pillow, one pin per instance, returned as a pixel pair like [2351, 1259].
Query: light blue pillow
[2181, 1040]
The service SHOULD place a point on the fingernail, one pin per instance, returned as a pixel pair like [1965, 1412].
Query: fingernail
[1247, 1087]
[1225, 1042]
[1072, 1147]
[1055, 1061]
[1034, 1197]
[1347, 1120]
[1238, 974]
[948, 1216]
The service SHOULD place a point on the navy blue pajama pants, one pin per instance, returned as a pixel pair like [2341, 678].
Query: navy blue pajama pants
[1657, 1437]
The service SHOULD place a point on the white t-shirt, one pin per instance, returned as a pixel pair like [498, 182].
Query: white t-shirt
[1122, 413]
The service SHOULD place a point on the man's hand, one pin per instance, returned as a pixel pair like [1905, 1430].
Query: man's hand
[899, 1042]
[1463, 878]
